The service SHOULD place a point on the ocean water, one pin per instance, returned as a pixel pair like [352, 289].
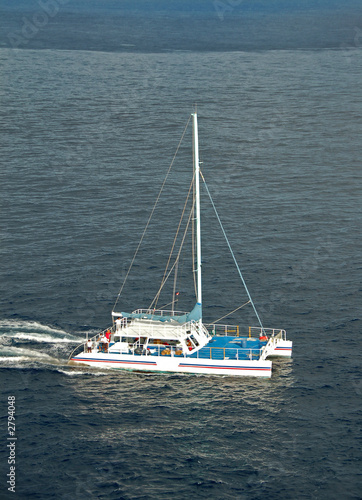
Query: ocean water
[87, 137]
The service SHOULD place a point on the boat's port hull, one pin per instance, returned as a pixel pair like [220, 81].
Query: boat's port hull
[283, 348]
[248, 368]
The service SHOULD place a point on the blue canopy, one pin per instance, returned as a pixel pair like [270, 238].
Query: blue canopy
[194, 315]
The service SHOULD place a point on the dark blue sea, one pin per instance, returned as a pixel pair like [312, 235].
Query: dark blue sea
[92, 111]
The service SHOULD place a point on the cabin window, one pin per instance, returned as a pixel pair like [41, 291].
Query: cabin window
[130, 340]
[194, 340]
[190, 343]
[165, 342]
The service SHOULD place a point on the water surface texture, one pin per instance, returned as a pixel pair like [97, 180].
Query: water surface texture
[87, 137]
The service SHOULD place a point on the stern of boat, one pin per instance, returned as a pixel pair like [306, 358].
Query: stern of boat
[278, 345]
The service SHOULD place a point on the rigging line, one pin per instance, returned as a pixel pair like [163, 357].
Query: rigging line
[178, 271]
[174, 264]
[169, 304]
[152, 212]
[180, 249]
[153, 305]
[232, 254]
[157, 296]
[175, 283]
[170, 271]
[228, 314]
[181, 246]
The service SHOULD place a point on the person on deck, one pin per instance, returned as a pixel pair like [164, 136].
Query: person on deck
[118, 323]
[105, 342]
[102, 339]
[89, 345]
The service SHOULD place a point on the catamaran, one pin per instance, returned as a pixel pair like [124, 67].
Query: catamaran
[160, 340]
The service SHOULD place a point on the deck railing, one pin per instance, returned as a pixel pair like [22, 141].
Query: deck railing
[271, 332]
[227, 353]
[83, 346]
[205, 352]
[159, 312]
[219, 353]
[254, 331]
[223, 330]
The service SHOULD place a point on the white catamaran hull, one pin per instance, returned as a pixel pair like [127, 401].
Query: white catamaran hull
[175, 364]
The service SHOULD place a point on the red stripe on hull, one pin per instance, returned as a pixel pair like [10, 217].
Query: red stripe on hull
[147, 363]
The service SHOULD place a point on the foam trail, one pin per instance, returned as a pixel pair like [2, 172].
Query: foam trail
[10, 353]
[13, 359]
[30, 325]
[77, 373]
[33, 331]
[34, 337]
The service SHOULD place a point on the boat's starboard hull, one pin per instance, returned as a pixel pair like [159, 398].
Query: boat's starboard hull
[249, 368]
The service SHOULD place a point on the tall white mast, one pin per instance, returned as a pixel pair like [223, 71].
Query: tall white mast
[197, 207]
